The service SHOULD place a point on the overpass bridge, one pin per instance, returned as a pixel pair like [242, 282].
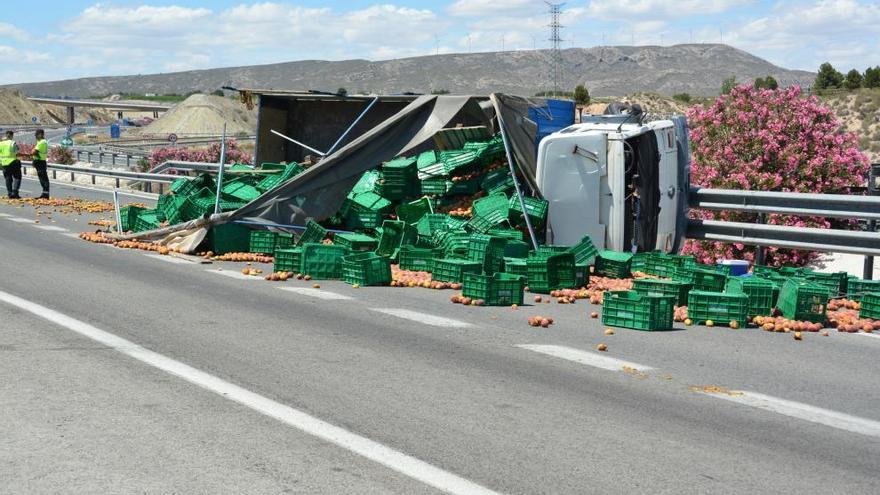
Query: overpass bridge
[111, 105]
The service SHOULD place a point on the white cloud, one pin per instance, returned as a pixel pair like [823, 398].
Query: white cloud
[631, 9]
[12, 32]
[479, 8]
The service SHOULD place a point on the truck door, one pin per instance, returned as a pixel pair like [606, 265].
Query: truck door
[573, 177]
[668, 182]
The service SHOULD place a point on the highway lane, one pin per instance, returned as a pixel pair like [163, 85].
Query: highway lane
[468, 399]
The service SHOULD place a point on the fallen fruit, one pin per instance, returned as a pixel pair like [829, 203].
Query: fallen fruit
[609, 331]
[537, 299]
[602, 347]
[710, 323]
[514, 307]
[734, 324]
[824, 333]
[316, 286]
[594, 315]
[545, 323]
[356, 286]
[688, 322]
[797, 336]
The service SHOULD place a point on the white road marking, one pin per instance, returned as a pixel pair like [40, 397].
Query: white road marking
[5, 215]
[802, 411]
[234, 274]
[109, 190]
[874, 335]
[20, 220]
[583, 357]
[168, 259]
[50, 228]
[437, 321]
[317, 293]
[71, 235]
[381, 454]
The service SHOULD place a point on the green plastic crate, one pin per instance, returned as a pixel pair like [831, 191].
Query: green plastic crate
[761, 294]
[313, 234]
[584, 252]
[488, 250]
[288, 259]
[494, 179]
[500, 289]
[629, 309]
[803, 300]
[870, 306]
[664, 265]
[456, 159]
[509, 234]
[322, 261]
[453, 269]
[581, 275]
[719, 307]
[551, 272]
[417, 259]
[356, 242]
[368, 219]
[262, 241]
[395, 234]
[412, 212]
[835, 282]
[670, 288]
[494, 203]
[613, 264]
[128, 216]
[536, 208]
[146, 220]
[431, 223]
[366, 269]
[455, 245]
[484, 223]
[516, 266]
[462, 187]
[241, 190]
[856, 287]
[434, 186]
[551, 249]
[639, 262]
[517, 249]
[229, 238]
[701, 278]
[761, 270]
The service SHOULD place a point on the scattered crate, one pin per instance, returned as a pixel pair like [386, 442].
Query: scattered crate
[313, 234]
[547, 273]
[835, 282]
[536, 208]
[288, 259]
[701, 278]
[657, 287]
[803, 300]
[366, 269]
[870, 306]
[629, 309]
[487, 250]
[453, 270]
[500, 289]
[516, 266]
[128, 216]
[584, 252]
[857, 287]
[664, 265]
[613, 264]
[412, 212]
[417, 259]
[760, 293]
[228, 238]
[356, 242]
[718, 307]
[322, 261]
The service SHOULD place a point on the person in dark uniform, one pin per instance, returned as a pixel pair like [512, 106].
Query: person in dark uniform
[41, 154]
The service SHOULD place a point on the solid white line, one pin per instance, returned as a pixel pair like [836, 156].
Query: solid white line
[234, 274]
[5, 215]
[19, 220]
[50, 228]
[584, 357]
[437, 321]
[386, 456]
[72, 235]
[317, 293]
[874, 335]
[108, 190]
[169, 259]
[805, 412]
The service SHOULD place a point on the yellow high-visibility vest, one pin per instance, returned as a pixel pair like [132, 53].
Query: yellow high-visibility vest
[42, 149]
[7, 152]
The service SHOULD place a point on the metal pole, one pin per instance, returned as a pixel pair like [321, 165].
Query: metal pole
[522, 202]
[358, 119]
[760, 254]
[294, 141]
[220, 171]
[868, 272]
[116, 207]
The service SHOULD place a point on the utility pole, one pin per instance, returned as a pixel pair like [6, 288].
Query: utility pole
[556, 42]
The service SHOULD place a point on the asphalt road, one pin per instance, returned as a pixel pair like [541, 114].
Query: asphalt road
[472, 394]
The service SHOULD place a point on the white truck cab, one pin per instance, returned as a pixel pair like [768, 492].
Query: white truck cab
[622, 183]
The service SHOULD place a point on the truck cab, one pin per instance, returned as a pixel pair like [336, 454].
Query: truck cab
[617, 179]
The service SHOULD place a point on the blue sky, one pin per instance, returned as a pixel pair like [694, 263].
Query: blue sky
[65, 39]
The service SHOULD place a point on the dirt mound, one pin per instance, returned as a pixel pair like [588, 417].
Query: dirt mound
[205, 114]
[16, 109]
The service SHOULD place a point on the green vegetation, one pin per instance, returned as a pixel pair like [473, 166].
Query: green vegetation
[555, 94]
[853, 80]
[768, 82]
[682, 97]
[728, 84]
[342, 92]
[828, 77]
[581, 95]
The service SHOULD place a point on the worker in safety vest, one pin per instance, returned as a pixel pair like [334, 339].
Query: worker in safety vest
[41, 154]
[11, 165]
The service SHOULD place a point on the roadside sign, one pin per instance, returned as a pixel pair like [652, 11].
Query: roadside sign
[172, 138]
[34, 119]
[66, 141]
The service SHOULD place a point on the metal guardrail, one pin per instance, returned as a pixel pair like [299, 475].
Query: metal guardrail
[147, 178]
[787, 203]
[107, 157]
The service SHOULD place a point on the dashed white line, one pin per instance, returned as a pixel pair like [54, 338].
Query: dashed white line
[377, 452]
[168, 259]
[234, 274]
[437, 321]
[20, 220]
[50, 228]
[802, 411]
[583, 357]
[72, 235]
[317, 293]
[5, 215]
[874, 335]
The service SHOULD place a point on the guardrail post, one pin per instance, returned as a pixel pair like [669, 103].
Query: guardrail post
[101, 157]
[94, 179]
[127, 161]
[760, 254]
[868, 272]
[113, 160]
[161, 189]
[54, 175]
[89, 156]
[117, 183]
[148, 187]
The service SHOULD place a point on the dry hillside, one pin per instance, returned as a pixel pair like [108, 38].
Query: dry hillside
[205, 114]
[16, 109]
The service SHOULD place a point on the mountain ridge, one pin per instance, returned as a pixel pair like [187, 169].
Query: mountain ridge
[697, 69]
